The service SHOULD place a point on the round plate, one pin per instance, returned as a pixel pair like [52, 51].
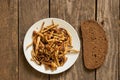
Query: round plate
[71, 57]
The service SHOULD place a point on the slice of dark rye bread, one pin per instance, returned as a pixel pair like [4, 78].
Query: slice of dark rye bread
[95, 44]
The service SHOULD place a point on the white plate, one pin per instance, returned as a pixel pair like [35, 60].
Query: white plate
[71, 57]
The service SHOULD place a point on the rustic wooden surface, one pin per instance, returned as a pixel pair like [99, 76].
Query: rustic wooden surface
[108, 14]
[8, 40]
[16, 17]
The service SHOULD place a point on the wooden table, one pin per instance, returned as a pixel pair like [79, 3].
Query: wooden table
[16, 17]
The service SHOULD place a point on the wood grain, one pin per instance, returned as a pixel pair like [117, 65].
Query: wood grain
[108, 14]
[74, 11]
[8, 40]
[119, 50]
[119, 45]
[30, 11]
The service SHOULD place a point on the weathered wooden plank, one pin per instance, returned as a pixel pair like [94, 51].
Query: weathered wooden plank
[108, 14]
[119, 53]
[74, 11]
[8, 40]
[30, 11]
[119, 45]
